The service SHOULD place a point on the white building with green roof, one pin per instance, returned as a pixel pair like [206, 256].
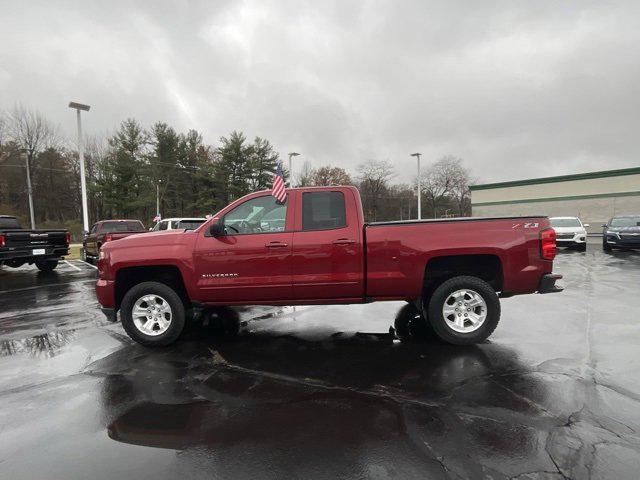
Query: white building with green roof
[593, 197]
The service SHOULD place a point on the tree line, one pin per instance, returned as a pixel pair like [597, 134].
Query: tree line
[128, 170]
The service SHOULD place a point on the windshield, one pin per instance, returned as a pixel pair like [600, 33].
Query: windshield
[9, 223]
[625, 221]
[124, 226]
[565, 222]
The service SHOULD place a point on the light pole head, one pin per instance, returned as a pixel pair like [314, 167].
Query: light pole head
[416, 155]
[79, 106]
[293, 154]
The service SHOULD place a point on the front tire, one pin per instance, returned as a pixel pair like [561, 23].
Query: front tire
[47, 265]
[464, 310]
[152, 314]
[605, 246]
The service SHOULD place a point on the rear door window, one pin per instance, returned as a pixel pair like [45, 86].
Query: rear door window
[323, 211]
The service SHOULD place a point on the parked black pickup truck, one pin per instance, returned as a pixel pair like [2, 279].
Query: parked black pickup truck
[42, 247]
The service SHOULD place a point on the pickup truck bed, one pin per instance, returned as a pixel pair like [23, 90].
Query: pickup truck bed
[316, 249]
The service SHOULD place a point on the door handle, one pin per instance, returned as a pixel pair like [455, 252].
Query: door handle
[343, 241]
[276, 245]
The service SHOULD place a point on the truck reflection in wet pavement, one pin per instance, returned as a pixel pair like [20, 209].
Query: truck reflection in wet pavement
[308, 393]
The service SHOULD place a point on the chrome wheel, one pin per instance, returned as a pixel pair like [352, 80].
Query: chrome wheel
[464, 311]
[151, 315]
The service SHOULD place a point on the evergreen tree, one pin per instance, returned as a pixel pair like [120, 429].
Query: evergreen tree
[263, 164]
[234, 167]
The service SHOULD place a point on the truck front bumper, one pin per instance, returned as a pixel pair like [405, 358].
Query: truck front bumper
[105, 292]
[548, 283]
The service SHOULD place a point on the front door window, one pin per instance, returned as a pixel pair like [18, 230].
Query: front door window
[257, 215]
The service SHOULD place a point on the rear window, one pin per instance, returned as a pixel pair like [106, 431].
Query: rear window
[564, 222]
[125, 226]
[323, 211]
[9, 223]
[189, 224]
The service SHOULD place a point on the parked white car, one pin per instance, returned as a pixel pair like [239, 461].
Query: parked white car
[570, 232]
[178, 224]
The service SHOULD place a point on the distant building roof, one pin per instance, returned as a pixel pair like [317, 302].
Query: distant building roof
[561, 178]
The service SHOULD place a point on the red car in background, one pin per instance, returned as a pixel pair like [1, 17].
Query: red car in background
[107, 231]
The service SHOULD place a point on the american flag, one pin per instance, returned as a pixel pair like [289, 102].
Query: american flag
[278, 190]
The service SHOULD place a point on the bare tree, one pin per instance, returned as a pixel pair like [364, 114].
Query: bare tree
[31, 131]
[3, 129]
[33, 134]
[305, 175]
[374, 176]
[461, 193]
[328, 176]
[444, 179]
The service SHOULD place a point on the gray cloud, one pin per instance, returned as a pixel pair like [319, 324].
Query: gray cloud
[516, 88]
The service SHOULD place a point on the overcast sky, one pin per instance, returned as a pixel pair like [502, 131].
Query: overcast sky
[515, 88]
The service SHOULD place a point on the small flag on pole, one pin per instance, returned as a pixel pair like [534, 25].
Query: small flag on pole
[278, 190]
[157, 218]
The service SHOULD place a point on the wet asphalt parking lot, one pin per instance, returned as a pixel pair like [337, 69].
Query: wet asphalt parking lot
[324, 392]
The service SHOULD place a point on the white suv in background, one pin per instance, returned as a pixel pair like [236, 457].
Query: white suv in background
[570, 232]
[178, 224]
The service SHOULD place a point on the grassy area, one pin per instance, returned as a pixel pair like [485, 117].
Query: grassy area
[74, 252]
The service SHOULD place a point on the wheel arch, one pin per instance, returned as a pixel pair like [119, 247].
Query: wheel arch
[170, 275]
[487, 267]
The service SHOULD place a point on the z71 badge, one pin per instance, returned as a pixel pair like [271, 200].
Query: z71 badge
[526, 225]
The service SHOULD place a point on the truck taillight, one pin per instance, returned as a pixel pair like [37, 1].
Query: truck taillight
[2, 241]
[68, 238]
[548, 244]
[108, 237]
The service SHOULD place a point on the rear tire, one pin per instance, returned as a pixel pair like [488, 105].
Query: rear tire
[47, 265]
[176, 313]
[478, 311]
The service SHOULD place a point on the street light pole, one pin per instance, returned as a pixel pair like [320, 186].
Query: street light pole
[417, 155]
[292, 154]
[29, 190]
[83, 183]
[158, 198]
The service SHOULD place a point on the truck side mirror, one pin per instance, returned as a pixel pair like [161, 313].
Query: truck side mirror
[216, 229]
[85, 232]
[604, 225]
[585, 225]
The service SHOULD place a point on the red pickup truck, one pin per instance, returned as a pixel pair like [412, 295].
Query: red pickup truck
[316, 249]
[107, 231]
